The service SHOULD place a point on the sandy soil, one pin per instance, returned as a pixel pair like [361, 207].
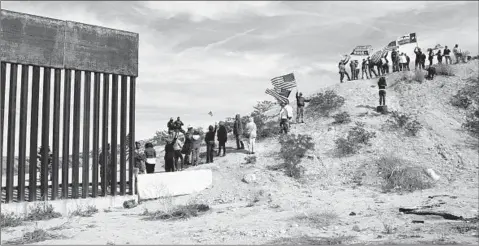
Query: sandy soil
[274, 207]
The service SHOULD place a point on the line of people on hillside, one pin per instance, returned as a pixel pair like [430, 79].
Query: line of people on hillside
[400, 62]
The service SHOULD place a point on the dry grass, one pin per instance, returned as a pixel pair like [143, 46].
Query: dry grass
[177, 213]
[398, 175]
[342, 118]
[357, 137]
[38, 235]
[325, 103]
[88, 212]
[10, 220]
[318, 220]
[251, 159]
[42, 211]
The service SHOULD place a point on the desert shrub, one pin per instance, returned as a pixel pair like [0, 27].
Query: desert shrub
[88, 212]
[472, 122]
[42, 211]
[461, 100]
[38, 235]
[419, 76]
[357, 137]
[342, 118]
[325, 103]
[10, 220]
[318, 220]
[399, 175]
[405, 121]
[265, 128]
[293, 149]
[177, 213]
[444, 69]
[251, 159]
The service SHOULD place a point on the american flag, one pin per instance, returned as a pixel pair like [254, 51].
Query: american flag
[276, 95]
[378, 55]
[287, 82]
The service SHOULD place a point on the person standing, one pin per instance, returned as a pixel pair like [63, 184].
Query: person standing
[171, 125]
[179, 125]
[170, 153]
[447, 55]
[177, 146]
[457, 54]
[418, 62]
[210, 143]
[364, 70]
[423, 61]
[222, 138]
[139, 158]
[283, 119]
[431, 56]
[106, 168]
[342, 72]
[382, 91]
[238, 132]
[439, 57]
[353, 70]
[251, 132]
[150, 155]
[394, 58]
[402, 62]
[188, 146]
[300, 102]
[371, 68]
[195, 148]
[408, 60]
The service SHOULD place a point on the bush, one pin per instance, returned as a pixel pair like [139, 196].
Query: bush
[293, 149]
[444, 69]
[405, 121]
[325, 103]
[42, 212]
[400, 175]
[38, 235]
[251, 159]
[472, 122]
[10, 220]
[342, 118]
[265, 128]
[88, 212]
[178, 213]
[419, 76]
[356, 138]
[460, 100]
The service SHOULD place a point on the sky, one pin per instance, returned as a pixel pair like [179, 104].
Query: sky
[197, 57]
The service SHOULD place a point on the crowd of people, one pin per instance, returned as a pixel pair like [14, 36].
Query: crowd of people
[400, 62]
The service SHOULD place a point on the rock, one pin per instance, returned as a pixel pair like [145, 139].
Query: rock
[352, 214]
[130, 204]
[249, 178]
[356, 228]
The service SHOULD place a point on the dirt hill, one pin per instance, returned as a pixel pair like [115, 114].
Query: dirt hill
[339, 199]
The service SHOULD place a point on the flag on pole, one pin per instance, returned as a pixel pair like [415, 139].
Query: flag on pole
[378, 55]
[287, 82]
[277, 96]
[392, 45]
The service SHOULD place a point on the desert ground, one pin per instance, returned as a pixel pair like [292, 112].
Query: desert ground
[338, 199]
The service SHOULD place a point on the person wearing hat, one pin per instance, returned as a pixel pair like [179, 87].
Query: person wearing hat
[222, 138]
[171, 125]
[300, 102]
[150, 155]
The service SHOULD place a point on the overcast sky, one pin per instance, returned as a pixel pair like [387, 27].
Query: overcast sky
[197, 57]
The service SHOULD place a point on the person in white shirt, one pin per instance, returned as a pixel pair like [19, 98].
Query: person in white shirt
[250, 130]
[284, 116]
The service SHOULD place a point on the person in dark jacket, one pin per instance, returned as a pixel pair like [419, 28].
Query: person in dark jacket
[150, 155]
[423, 61]
[431, 72]
[179, 126]
[382, 91]
[364, 69]
[300, 101]
[395, 60]
[106, 167]
[431, 56]
[342, 71]
[418, 61]
[238, 132]
[439, 57]
[447, 55]
[222, 138]
[353, 70]
[408, 60]
[170, 153]
[210, 143]
[371, 68]
[171, 125]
